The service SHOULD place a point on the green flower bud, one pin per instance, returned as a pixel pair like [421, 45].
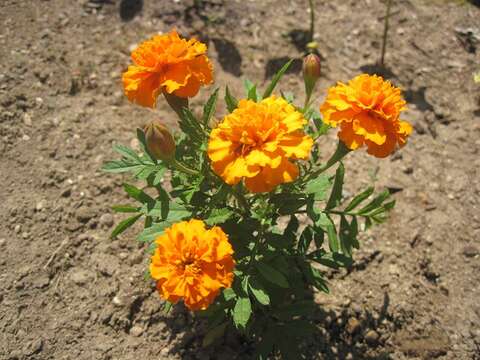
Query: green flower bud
[311, 73]
[159, 140]
[311, 68]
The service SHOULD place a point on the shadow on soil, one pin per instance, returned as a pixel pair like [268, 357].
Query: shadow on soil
[228, 56]
[341, 334]
[130, 8]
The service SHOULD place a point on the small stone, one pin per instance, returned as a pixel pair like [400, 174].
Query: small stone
[106, 220]
[27, 119]
[66, 192]
[17, 229]
[470, 251]
[40, 205]
[25, 235]
[41, 281]
[136, 330]
[357, 308]
[353, 325]
[2, 242]
[25, 137]
[117, 301]
[371, 337]
[80, 277]
[84, 214]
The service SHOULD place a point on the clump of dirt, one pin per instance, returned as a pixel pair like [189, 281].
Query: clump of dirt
[71, 292]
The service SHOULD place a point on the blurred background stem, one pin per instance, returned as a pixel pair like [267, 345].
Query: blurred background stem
[385, 33]
[312, 20]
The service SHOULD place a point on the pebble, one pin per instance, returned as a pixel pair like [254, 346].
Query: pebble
[41, 281]
[17, 229]
[27, 119]
[2, 242]
[136, 330]
[84, 214]
[470, 251]
[117, 301]
[40, 205]
[371, 337]
[353, 325]
[106, 220]
[80, 277]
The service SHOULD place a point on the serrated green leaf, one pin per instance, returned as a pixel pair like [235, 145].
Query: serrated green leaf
[327, 225]
[276, 78]
[218, 216]
[242, 312]
[137, 194]
[336, 194]
[210, 108]
[150, 234]
[315, 277]
[167, 307]
[230, 100]
[143, 144]
[120, 166]
[214, 334]
[300, 308]
[375, 203]
[125, 208]
[272, 275]
[229, 294]
[127, 153]
[305, 240]
[319, 187]
[359, 198]
[258, 291]
[251, 89]
[124, 225]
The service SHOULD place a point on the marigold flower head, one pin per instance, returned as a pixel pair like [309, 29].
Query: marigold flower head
[166, 63]
[192, 263]
[257, 141]
[367, 109]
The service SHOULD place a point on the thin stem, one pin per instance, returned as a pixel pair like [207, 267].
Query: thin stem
[183, 168]
[338, 155]
[241, 200]
[385, 33]
[257, 244]
[312, 20]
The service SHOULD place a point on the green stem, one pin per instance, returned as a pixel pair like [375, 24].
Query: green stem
[385, 33]
[312, 20]
[338, 155]
[183, 168]
[241, 200]
[257, 244]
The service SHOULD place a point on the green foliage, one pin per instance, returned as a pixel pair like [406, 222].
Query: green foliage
[278, 259]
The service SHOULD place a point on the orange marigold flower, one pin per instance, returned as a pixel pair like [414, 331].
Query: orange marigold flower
[368, 112]
[192, 263]
[166, 63]
[256, 142]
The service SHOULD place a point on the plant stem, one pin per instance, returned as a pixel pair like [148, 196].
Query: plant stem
[385, 33]
[338, 155]
[183, 168]
[312, 19]
[241, 200]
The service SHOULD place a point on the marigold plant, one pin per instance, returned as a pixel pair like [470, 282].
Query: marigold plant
[226, 239]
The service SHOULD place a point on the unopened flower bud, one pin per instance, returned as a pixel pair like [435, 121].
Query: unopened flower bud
[311, 68]
[311, 73]
[159, 140]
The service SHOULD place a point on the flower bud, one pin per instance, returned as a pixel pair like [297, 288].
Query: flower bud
[311, 73]
[311, 68]
[159, 140]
